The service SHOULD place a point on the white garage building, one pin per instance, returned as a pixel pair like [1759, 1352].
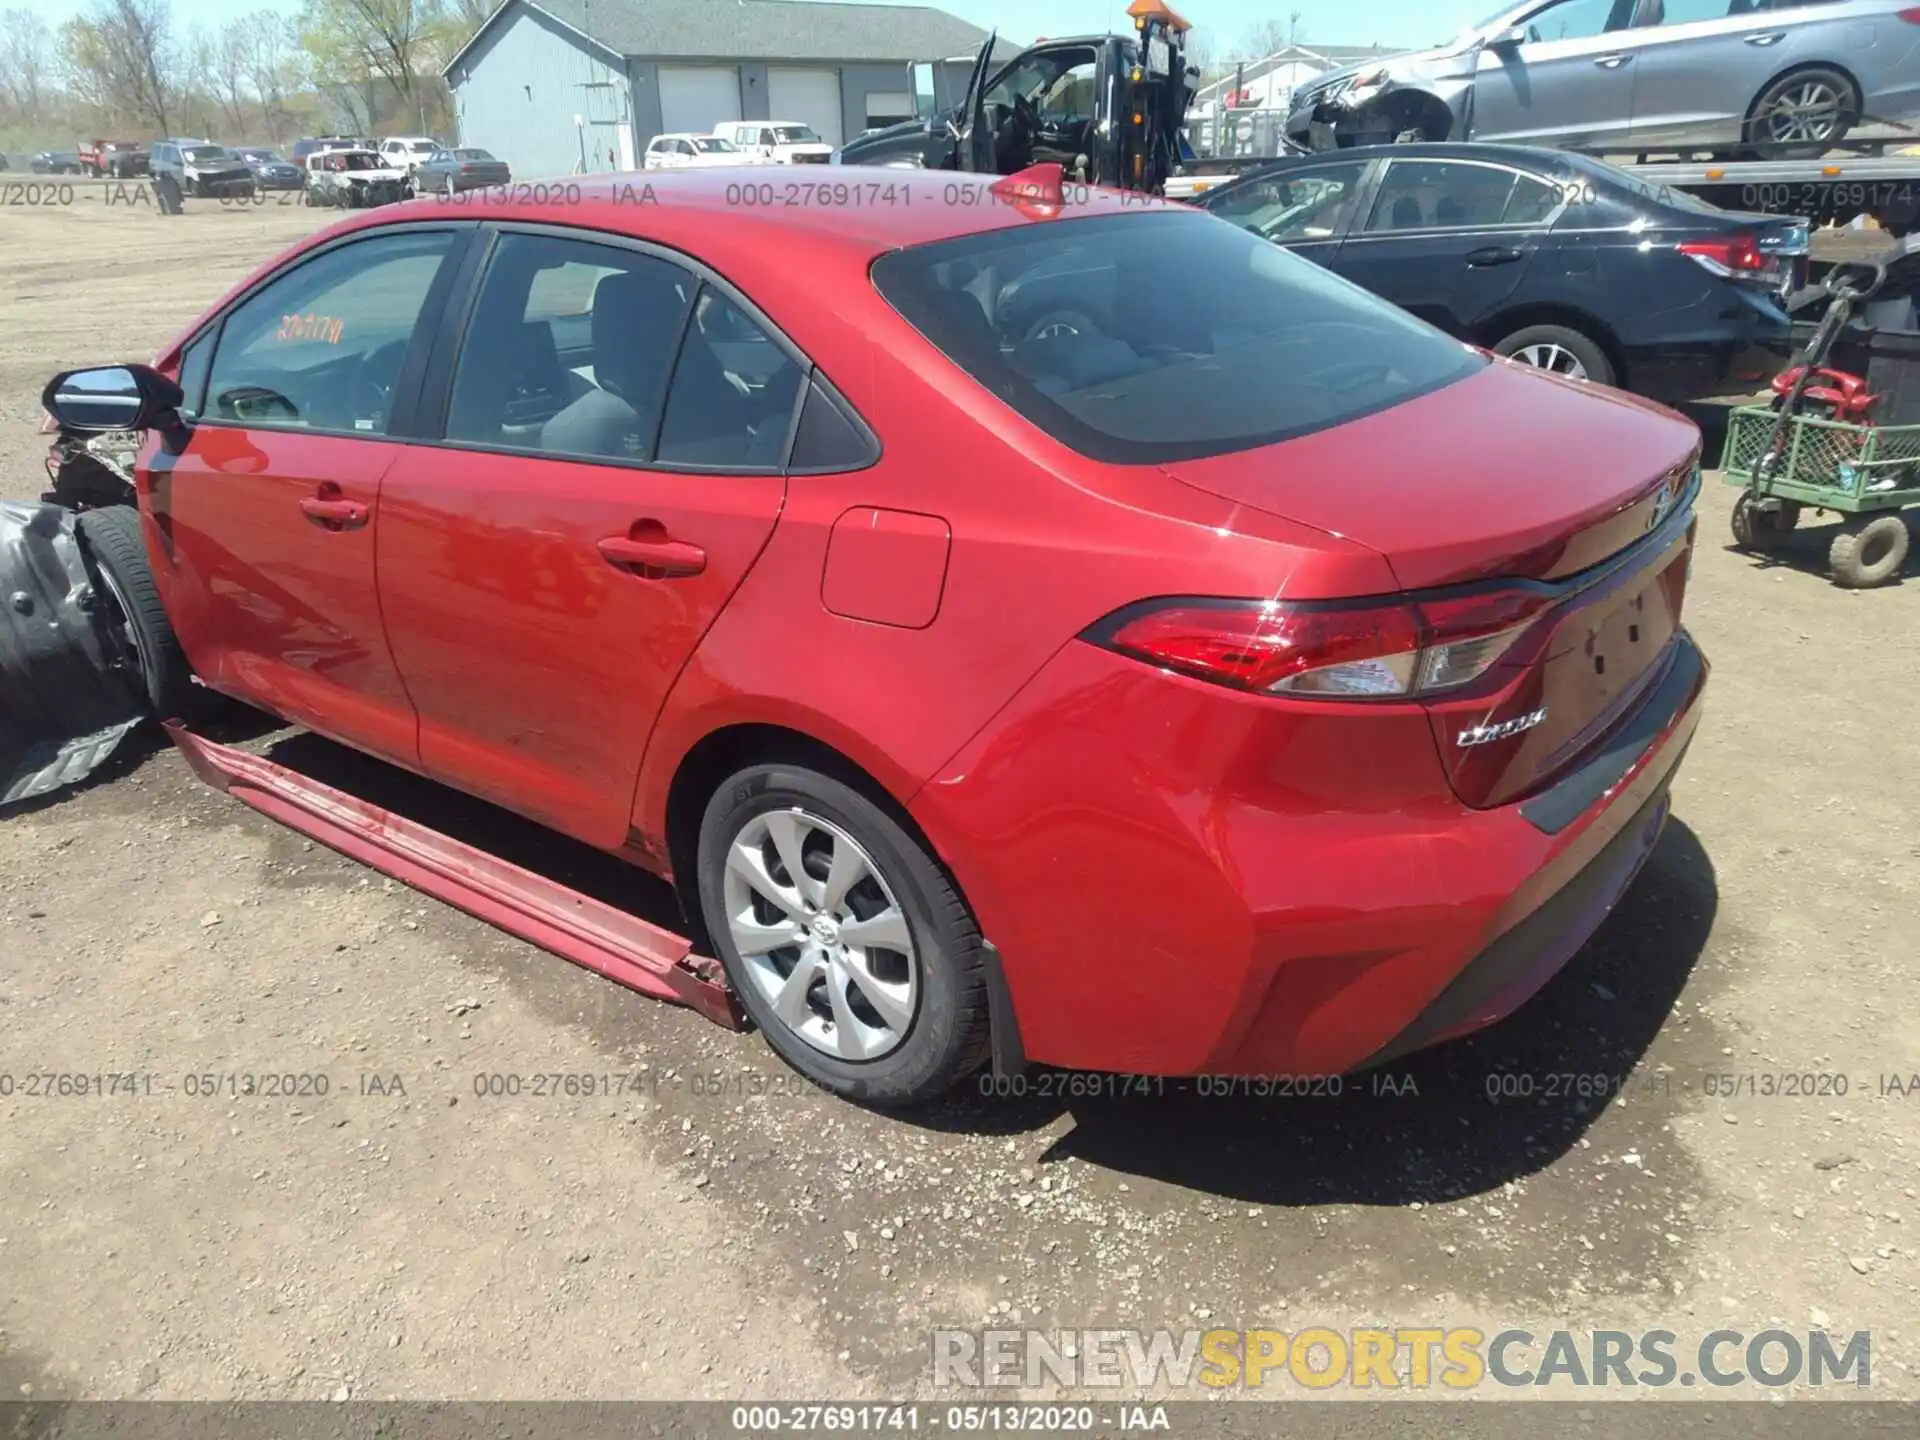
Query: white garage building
[559, 87]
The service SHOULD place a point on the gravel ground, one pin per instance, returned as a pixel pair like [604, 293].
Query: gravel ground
[716, 1229]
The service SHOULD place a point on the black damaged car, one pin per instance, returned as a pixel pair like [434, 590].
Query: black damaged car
[1553, 259]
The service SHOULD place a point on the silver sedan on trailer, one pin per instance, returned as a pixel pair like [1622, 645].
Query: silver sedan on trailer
[1775, 78]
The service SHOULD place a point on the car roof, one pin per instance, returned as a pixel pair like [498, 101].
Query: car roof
[893, 208]
[1532, 156]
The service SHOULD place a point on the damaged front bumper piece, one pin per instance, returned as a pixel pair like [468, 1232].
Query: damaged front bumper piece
[576, 927]
[66, 695]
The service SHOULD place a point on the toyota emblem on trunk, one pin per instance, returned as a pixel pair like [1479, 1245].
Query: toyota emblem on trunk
[1662, 507]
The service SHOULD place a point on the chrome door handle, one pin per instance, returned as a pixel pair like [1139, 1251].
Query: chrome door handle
[1771, 37]
[1611, 62]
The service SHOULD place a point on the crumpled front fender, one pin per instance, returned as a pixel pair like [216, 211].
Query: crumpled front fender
[65, 699]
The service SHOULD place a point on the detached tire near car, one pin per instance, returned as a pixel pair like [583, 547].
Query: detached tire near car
[1869, 553]
[117, 555]
[846, 942]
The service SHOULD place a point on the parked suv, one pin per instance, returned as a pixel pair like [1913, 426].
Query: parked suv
[691, 152]
[1556, 260]
[353, 178]
[200, 167]
[404, 152]
[777, 142]
[1781, 78]
[272, 172]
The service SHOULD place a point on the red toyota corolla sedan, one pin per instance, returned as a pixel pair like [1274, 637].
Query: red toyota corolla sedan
[1091, 634]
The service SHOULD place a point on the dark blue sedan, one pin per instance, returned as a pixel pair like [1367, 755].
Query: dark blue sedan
[1552, 259]
[270, 170]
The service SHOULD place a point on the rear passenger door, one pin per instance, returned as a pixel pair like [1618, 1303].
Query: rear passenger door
[1702, 63]
[613, 429]
[1450, 240]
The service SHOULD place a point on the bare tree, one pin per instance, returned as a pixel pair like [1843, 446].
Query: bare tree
[1265, 37]
[226, 78]
[391, 40]
[465, 17]
[122, 56]
[271, 64]
[26, 58]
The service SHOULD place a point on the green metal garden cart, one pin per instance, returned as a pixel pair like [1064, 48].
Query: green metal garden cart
[1788, 461]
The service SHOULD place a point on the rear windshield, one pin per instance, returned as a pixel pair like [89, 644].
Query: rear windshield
[1145, 338]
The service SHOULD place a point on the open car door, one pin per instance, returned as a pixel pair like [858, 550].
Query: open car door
[975, 151]
[1106, 137]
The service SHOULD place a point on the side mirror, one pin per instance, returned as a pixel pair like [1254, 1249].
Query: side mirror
[115, 397]
[1511, 38]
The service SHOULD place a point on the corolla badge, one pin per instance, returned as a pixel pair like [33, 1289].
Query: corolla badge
[1662, 507]
[1500, 729]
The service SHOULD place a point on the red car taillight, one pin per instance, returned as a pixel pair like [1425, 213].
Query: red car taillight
[1910, 15]
[1727, 255]
[1370, 648]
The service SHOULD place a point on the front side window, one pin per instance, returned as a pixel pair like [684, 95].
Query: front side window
[1310, 205]
[320, 347]
[1577, 20]
[1148, 338]
[797, 135]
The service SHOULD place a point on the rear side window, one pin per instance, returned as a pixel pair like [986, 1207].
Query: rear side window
[1153, 337]
[1445, 194]
[733, 392]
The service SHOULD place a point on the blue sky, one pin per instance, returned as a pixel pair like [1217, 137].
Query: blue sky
[1226, 22]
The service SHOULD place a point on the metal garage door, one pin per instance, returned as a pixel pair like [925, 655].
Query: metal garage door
[886, 107]
[810, 96]
[698, 97]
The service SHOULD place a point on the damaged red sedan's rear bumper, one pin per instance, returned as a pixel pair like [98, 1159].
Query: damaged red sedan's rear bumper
[1258, 894]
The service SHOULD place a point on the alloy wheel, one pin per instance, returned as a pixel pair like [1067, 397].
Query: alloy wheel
[821, 935]
[1557, 358]
[1803, 112]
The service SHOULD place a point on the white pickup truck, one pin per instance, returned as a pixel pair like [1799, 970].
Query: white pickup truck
[776, 142]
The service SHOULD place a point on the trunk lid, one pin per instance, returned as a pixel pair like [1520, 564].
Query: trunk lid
[1578, 495]
[1510, 473]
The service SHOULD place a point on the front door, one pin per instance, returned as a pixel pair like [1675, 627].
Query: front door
[1450, 240]
[267, 520]
[548, 569]
[1569, 82]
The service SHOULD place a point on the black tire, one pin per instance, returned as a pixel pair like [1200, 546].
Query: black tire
[1757, 528]
[1871, 554]
[118, 555]
[1592, 359]
[1758, 134]
[946, 1038]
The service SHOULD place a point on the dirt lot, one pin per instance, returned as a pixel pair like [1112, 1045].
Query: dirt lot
[403, 1236]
